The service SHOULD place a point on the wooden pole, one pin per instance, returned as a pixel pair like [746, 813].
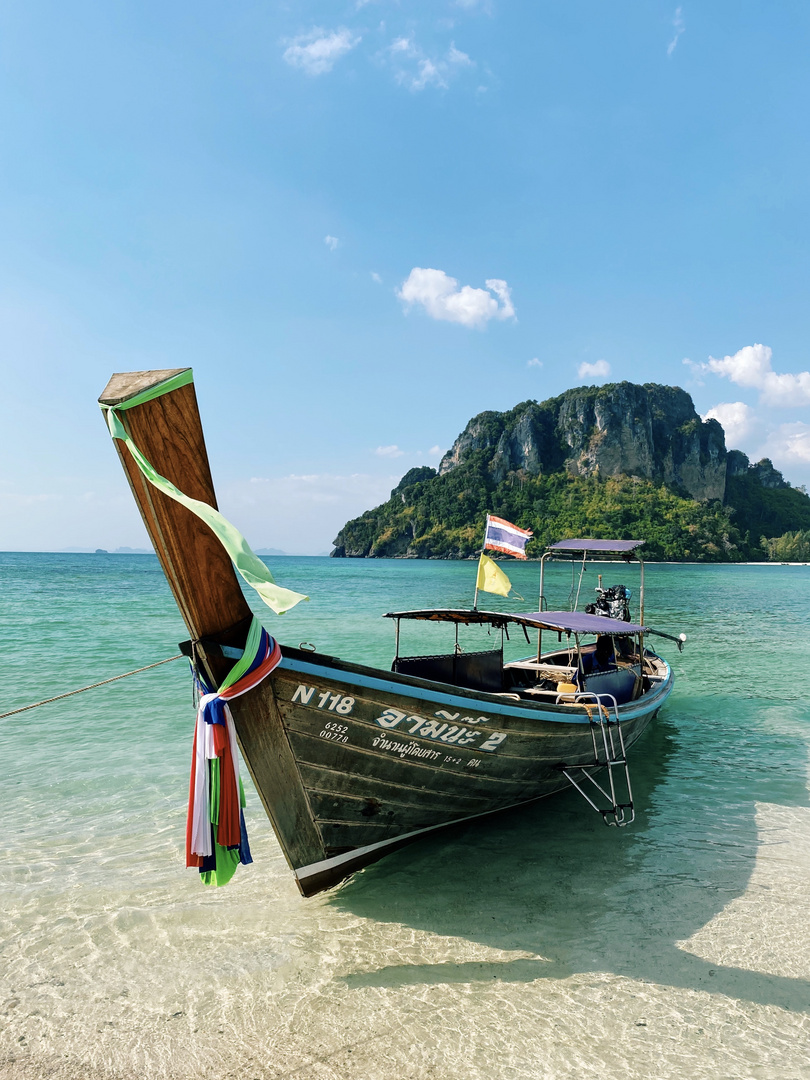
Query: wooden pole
[167, 430]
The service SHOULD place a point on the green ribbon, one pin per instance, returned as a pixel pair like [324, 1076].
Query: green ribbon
[248, 564]
[249, 653]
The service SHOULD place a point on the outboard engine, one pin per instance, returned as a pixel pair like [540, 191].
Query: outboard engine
[612, 603]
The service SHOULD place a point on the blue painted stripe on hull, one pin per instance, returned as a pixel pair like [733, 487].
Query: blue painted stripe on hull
[653, 700]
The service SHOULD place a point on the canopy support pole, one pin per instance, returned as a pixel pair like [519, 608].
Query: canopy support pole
[641, 593]
[641, 614]
[543, 558]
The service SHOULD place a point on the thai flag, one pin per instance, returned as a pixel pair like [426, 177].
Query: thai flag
[503, 536]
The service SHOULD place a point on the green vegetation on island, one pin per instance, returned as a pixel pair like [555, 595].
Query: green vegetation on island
[791, 547]
[621, 461]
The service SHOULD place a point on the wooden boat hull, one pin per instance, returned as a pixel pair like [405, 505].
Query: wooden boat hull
[350, 762]
[382, 758]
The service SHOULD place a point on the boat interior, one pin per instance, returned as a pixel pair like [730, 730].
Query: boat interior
[599, 651]
[556, 675]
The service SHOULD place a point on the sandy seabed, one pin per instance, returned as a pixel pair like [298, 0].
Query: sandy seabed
[256, 982]
[538, 944]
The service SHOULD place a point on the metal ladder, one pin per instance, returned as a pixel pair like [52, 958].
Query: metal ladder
[609, 753]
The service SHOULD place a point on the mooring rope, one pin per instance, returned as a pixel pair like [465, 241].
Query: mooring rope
[92, 686]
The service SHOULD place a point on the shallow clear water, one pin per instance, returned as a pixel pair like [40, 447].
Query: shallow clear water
[537, 944]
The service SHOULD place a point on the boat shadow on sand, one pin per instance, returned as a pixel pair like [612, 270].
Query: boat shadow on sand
[552, 881]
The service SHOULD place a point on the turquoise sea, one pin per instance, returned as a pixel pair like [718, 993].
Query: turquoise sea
[538, 944]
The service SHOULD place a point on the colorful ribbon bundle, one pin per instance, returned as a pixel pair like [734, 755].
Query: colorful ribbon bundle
[216, 837]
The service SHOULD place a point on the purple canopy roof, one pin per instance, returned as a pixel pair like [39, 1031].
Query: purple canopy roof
[617, 547]
[577, 622]
[574, 622]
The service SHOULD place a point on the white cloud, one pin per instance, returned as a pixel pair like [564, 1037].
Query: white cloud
[598, 370]
[751, 367]
[403, 45]
[534, 362]
[414, 69]
[315, 53]
[441, 297]
[376, 277]
[679, 26]
[789, 444]
[457, 57]
[331, 242]
[429, 74]
[696, 370]
[394, 451]
[736, 419]
[748, 367]
[501, 290]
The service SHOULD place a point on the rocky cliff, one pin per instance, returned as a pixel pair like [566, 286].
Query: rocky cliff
[622, 460]
[738, 464]
[622, 429]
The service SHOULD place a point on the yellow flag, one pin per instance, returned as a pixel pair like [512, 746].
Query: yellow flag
[491, 578]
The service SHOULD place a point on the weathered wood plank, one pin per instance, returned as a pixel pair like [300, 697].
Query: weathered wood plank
[327, 779]
[124, 385]
[360, 763]
[487, 716]
[517, 757]
[372, 708]
[515, 749]
[270, 760]
[330, 806]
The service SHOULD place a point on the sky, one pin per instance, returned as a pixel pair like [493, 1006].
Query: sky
[362, 223]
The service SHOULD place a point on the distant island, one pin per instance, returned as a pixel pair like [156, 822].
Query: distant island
[623, 461]
[116, 551]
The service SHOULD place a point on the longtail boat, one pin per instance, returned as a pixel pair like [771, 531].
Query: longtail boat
[352, 762]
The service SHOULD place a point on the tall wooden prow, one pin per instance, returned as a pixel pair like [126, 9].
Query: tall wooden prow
[168, 432]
